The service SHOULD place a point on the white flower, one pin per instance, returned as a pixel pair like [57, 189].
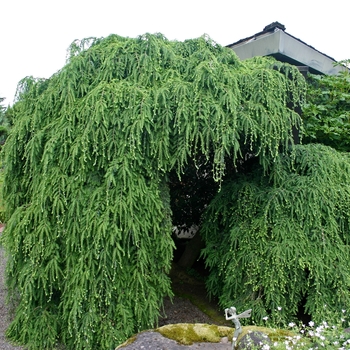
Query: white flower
[311, 323]
[343, 311]
[265, 347]
[291, 324]
[265, 318]
[279, 308]
[319, 329]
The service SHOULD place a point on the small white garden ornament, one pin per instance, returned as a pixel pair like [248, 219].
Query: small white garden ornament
[230, 314]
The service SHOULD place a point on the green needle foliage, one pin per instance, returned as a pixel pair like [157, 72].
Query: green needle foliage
[283, 240]
[87, 161]
[326, 113]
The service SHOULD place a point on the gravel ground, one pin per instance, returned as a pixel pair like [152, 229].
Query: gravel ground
[4, 311]
[181, 310]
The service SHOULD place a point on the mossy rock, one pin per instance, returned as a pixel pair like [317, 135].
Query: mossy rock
[127, 342]
[189, 333]
[254, 340]
[275, 334]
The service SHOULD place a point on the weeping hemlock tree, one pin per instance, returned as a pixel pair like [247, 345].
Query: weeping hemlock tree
[87, 163]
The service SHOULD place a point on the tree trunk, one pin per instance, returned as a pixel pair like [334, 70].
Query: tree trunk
[192, 251]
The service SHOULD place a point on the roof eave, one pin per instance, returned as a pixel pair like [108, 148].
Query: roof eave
[285, 48]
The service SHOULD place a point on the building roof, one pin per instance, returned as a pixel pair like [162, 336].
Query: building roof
[274, 41]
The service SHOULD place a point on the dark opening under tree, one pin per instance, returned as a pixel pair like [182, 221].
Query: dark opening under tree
[87, 164]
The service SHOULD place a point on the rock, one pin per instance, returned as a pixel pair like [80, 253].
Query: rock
[189, 333]
[182, 336]
[253, 340]
[224, 340]
[347, 330]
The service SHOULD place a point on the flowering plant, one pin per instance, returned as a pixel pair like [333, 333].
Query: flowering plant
[312, 336]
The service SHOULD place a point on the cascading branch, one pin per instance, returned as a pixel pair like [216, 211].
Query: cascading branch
[88, 214]
[284, 238]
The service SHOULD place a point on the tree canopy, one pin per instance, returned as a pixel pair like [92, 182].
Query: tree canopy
[326, 112]
[87, 175]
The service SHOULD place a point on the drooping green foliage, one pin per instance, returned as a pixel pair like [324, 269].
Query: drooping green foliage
[89, 219]
[326, 113]
[283, 240]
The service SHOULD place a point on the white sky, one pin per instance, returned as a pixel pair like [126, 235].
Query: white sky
[35, 34]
